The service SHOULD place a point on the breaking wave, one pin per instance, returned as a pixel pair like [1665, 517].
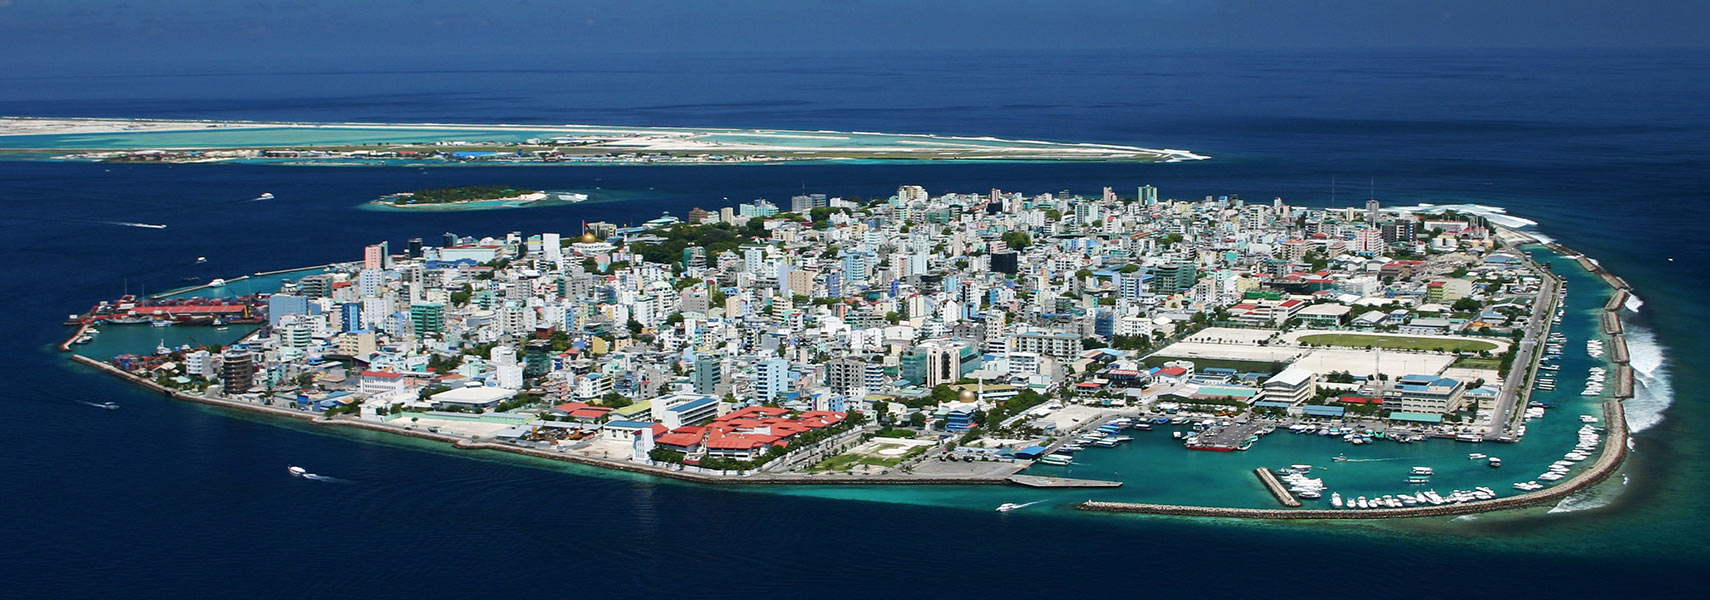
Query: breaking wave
[1594, 497]
[1633, 302]
[1652, 391]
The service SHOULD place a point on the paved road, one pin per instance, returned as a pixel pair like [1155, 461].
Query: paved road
[1507, 402]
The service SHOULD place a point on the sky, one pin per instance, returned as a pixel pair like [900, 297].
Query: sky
[47, 31]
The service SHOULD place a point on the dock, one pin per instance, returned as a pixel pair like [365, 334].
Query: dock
[1036, 481]
[1226, 438]
[1276, 487]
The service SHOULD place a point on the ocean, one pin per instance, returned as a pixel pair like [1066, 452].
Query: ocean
[1602, 150]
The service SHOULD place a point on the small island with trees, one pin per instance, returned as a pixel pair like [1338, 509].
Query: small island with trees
[464, 197]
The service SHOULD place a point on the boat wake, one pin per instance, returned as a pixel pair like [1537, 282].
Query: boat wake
[314, 477]
[1652, 390]
[131, 224]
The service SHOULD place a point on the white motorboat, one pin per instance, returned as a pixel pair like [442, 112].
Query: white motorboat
[297, 471]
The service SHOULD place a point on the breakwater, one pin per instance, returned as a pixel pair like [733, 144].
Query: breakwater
[1614, 452]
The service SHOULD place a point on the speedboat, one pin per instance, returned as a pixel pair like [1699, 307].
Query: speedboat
[1336, 499]
[1007, 506]
[201, 259]
[1475, 456]
[110, 405]
[297, 471]
[1494, 462]
[265, 196]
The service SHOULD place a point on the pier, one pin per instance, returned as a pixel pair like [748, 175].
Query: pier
[1276, 487]
[1036, 481]
[1226, 438]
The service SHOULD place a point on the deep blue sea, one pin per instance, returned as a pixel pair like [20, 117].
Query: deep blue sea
[165, 499]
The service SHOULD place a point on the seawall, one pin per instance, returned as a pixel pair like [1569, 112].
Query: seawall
[466, 444]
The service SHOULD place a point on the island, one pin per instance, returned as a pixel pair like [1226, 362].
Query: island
[432, 144]
[476, 197]
[1101, 351]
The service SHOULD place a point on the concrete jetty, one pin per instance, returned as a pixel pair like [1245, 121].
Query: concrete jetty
[1614, 452]
[1276, 487]
[1618, 350]
[1060, 482]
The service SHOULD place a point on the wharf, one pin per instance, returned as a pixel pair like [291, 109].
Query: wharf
[1276, 487]
[1060, 482]
[1224, 439]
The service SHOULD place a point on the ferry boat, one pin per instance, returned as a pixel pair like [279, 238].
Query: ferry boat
[1423, 471]
[1056, 459]
[1471, 438]
[1475, 456]
[296, 471]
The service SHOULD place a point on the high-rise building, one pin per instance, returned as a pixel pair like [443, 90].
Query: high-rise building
[1175, 278]
[371, 257]
[771, 379]
[237, 371]
[846, 374]
[427, 317]
[279, 305]
[1372, 213]
[1006, 262]
[1148, 195]
[708, 374]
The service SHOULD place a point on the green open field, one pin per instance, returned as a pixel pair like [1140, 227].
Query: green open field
[853, 458]
[1396, 342]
